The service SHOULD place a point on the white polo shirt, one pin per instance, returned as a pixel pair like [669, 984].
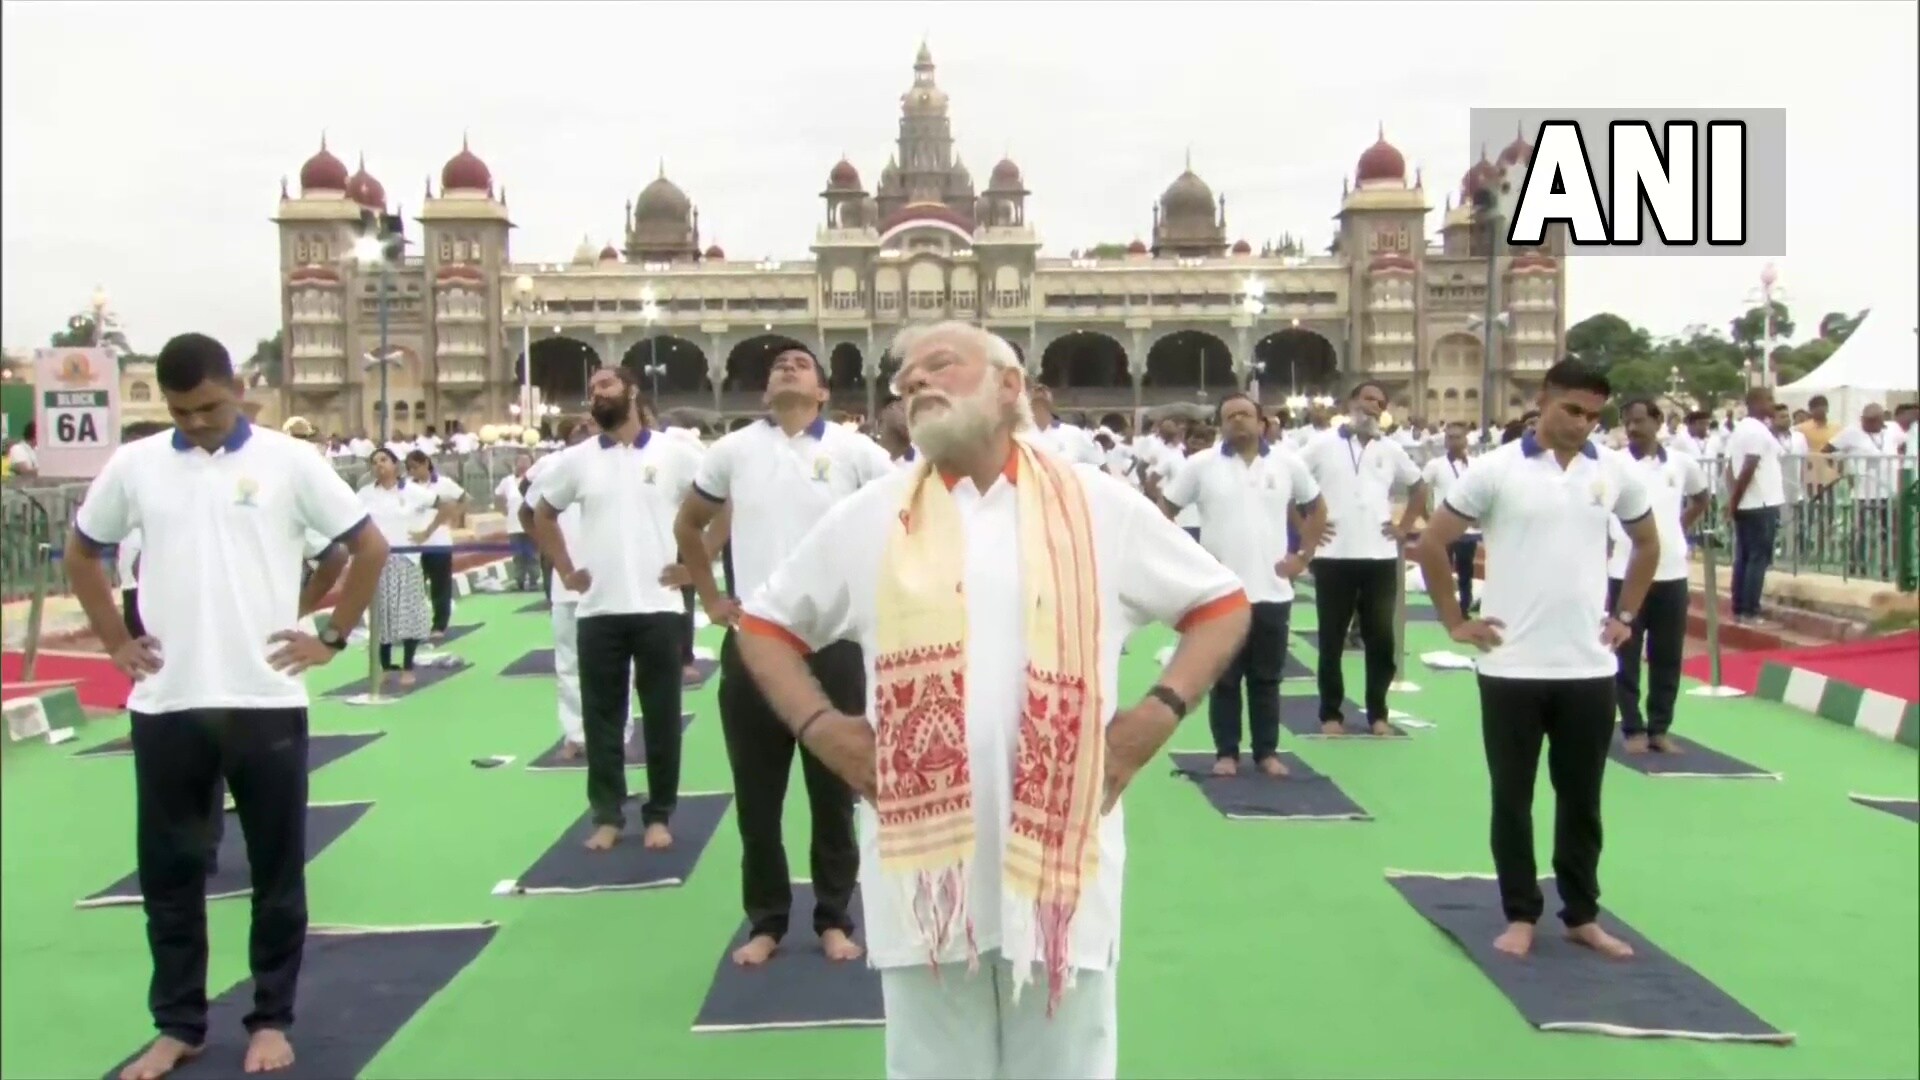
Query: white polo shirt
[222, 540]
[1167, 471]
[1872, 461]
[22, 456]
[1357, 480]
[508, 492]
[1148, 571]
[1546, 543]
[569, 523]
[1440, 475]
[1069, 441]
[445, 490]
[397, 511]
[1752, 437]
[781, 485]
[628, 494]
[1671, 478]
[1243, 511]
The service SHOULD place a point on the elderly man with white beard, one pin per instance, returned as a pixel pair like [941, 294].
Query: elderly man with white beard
[990, 587]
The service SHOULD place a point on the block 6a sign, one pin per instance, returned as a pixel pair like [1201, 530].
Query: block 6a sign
[77, 410]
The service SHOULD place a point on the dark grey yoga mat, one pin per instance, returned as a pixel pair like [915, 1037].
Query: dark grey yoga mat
[322, 750]
[358, 988]
[423, 678]
[1692, 760]
[1900, 808]
[1251, 795]
[636, 751]
[326, 822]
[1300, 714]
[568, 867]
[799, 987]
[1565, 987]
[539, 663]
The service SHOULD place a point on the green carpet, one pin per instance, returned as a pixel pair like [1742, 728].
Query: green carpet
[1251, 949]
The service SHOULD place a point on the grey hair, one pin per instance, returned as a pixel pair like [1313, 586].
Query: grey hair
[998, 351]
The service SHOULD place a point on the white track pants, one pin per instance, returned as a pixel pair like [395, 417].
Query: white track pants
[566, 673]
[962, 1027]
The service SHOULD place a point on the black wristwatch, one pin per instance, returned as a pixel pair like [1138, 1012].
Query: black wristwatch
[1171, 700]
[333, 639]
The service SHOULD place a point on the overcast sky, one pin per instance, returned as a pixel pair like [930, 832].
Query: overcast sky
[144, 144]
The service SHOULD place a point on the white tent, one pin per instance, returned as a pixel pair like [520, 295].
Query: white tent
[1879, 362]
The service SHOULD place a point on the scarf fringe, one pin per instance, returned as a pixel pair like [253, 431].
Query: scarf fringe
[939, 903]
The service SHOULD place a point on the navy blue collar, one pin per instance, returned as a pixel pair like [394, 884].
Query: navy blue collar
[1658, 451]
[1226, 448]
[1531, 447]
[639, 442]
[817, 429]
[909, 455]
[237, 438]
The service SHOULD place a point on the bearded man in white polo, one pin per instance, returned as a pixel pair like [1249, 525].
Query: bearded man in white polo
[991, 586]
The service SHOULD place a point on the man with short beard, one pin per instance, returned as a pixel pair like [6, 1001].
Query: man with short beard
[991, 588]
[780, 476]
[628, 483]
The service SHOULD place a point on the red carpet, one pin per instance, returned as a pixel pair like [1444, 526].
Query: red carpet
[1890, 665]
[99, 683]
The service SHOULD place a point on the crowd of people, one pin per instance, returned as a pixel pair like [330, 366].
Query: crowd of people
[929, 612]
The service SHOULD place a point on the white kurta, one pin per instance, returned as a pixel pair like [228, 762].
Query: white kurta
[825, 591]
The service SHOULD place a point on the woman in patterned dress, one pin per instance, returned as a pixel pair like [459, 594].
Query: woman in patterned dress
[400, 604]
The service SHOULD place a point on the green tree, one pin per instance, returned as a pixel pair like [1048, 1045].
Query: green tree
[1105, 251]
[1749, 331]
[1638, 377]
[1837, 326]
[267, 359]
[1606, 339]
[79, 334]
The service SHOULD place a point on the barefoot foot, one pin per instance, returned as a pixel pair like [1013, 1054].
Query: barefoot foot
[1663, 744]
[758, 950]
[571, 751]
[162, 1057]
[1591, 936]
[1382, 729]
[657, 837]
[268, 1051]
[1333, 727]
[406, 678]
[1273, 766]
[1634, 744]
[838, 946]
[604, 837]
[1226, 766]
[1515, 940]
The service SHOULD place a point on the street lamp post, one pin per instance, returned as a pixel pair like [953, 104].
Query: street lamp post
[1254, 303]
[1489, 220]
[653, 368]
[1769, 277]
[371, 250]
[523, 299]
[99, 315]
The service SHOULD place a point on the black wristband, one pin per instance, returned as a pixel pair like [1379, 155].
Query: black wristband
[1171, 700]
[800, 733]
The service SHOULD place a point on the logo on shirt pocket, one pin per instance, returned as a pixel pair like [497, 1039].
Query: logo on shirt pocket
[821, 466]
[245, 491]
[647, 475]
[1599, 492]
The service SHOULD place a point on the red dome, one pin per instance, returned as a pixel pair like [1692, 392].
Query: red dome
[1518, 152]
[323, 172]
[1391, 263]
[465, 171]
[365, 190]
[609, 254]
[1241, 247]
[1381, 162]
[843, 176]
[1137, 248]
[1005, 175]
[1481, 175]
[714, 254]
